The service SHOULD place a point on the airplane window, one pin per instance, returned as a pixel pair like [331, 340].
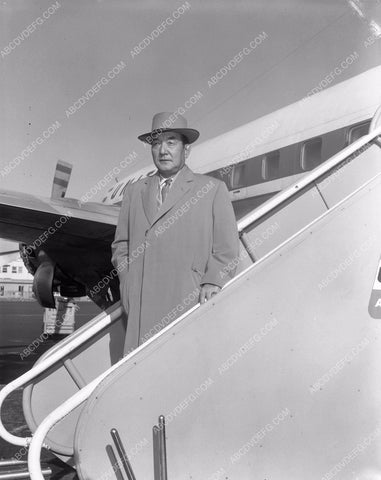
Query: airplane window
[238, 176]
[311, 153]
[251, 171]
[270, 165]
[243, 174]
[356, 132]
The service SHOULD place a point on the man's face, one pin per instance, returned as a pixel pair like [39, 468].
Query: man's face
[169, 153]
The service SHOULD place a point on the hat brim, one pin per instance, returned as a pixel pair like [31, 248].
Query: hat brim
[189, 133]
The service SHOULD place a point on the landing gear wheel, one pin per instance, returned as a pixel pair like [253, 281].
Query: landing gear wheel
[43, 284]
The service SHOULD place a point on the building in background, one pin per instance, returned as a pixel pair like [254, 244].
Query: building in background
[15, 280]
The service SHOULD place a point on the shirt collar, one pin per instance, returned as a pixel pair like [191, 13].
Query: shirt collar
[163, 179]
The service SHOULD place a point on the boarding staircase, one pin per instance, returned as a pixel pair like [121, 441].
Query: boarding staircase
[276, 377]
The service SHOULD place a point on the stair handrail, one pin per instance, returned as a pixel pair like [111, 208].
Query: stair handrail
[79, 337]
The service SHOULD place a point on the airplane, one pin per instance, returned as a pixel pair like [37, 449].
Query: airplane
[256, 161]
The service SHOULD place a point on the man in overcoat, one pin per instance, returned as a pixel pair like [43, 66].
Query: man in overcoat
[176, 232]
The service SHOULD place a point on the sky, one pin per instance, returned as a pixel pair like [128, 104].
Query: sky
[60, 59]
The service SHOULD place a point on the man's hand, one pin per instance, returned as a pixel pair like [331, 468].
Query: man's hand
[207, 292]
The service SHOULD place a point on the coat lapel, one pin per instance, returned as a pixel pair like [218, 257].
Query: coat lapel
[181, 185]
[149, 197]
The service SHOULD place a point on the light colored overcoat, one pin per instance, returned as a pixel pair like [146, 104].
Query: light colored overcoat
[164, 255]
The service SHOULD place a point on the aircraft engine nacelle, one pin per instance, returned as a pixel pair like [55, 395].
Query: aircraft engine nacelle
[48, 278]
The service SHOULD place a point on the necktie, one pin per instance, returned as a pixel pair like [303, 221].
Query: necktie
[165, 189]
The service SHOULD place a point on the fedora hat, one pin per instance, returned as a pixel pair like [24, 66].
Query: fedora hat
[169, 122]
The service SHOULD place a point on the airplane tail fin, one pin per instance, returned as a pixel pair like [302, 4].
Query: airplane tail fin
[61, 179]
